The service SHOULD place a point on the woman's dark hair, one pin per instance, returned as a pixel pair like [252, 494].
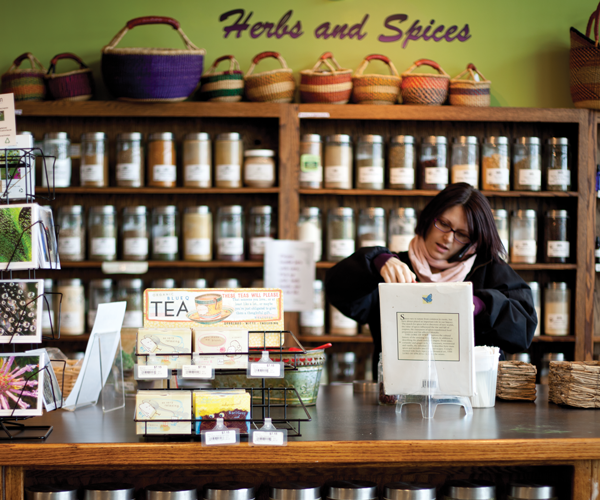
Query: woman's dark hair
[480, 221]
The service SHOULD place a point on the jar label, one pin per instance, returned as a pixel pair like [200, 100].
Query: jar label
[197, 246]
[257, 245]
[313, 318]
[402, 176]
[69, 245]
[312, 175]
[228, 172]
[341, 248]
[310, 163]
[368, 175]
[400, 242]
[259, 172]
[559, 249]
[231, 246]
[133, 319]
[559, 177]
[372, 243]
[103, 246]
[165, 245]
[597, 253]
[598, 268]
[128, 171]
[436, 175]
[135, 246]
[529, 177]
[336, 174]
[557, 323]
[60, 176]
[497, 176]
[48, 319]
[524, 248]
[164, 173]
[338, 320]
[92, 173]
[465, 173]
[72, 320]
[197, 173]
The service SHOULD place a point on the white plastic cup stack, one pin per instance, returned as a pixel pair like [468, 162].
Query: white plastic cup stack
[486, 374]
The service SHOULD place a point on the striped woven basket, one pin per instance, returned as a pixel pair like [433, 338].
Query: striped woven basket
[425, 88]
[584, 65]
[472, 91]
[77, 85]
[25, 84]
[270, 86]
[222, 86]
[332, 85]
[376, 89]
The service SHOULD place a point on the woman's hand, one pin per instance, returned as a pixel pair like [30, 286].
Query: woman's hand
[396, 271]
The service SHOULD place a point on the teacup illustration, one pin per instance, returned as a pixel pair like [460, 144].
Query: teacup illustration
[209, 305]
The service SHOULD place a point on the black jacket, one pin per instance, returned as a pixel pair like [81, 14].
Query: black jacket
[509, 319]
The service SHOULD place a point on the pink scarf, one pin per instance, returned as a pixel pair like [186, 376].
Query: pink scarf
[422, 263]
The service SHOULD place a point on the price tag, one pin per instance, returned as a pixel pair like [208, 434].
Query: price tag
[266, 370]
[268, 438]
[197, 372]
[212, 438]
[152, 372]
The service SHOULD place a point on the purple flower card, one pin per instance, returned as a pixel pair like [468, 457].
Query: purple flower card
[21, 383]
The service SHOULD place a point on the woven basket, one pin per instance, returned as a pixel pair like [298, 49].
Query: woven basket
[270, 86]
[376, 89]
[584, 65]
[25, 84]
[516, 381]
[575, 383]
[223, 86]
[470, 91]
[151, 75]
[71, 372]
[77, 85]
[332, 85]
[425, 88]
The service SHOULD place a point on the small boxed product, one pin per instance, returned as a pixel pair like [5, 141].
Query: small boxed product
[163, 412]
[228, 404]
[169, 344]
[230, 341]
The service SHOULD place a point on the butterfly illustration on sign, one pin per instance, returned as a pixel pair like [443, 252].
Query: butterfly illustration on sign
[428, 299]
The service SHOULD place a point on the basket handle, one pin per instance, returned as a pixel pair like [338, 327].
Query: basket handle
[594, 17]
[324, 59]
[427, 62]
[233, 64]
[264, 55]
[32, 59]
[472, 70]
[376, 57]
[64, 55]
[139, 21]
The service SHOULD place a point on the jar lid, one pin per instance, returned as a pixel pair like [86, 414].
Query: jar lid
[310, 211]
[556, 285]
[200, 209]
[558, 141]
[175, 492]
[93, 136]
[496, 140]
[373, 212]
[352, 490]
[531, 491]
[434, 140]
[197, 136]
[534, 285]
[229, 490]
[527, 140]
[317, 285]
[364, 386]
[70, 209]
[164, 283]
[42, 492]
[403, 139]
[139, 210]
[263, 209]
[471, 490]
[56, 135]
[409, 491]
[230, 136]
[227, 283]
[71, 282]
[375, 139]
[295, 491]
[231, 209]
[109, 491]
[48, 284]
[105, 283]
[527, 214]
[311, 138]
[259, 153]
[130, 136]
[166, 210]
[133, 283]
[339, 138]
[519, 356]
[161, 136]
[403, 212]
[194, 283]
[557, 214]
[343, 211]
[501, 213]
[103, 210]
[553, 356]
[466, 139]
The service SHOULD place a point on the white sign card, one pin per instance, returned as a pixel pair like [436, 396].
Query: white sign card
[290, 265]
[8, 127]
[410, 312]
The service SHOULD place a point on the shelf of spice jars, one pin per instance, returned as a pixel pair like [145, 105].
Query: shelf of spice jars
[430, 193]
[515, 266]
[151, 190]
[173, 263]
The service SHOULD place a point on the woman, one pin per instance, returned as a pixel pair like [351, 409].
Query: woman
[456, 240]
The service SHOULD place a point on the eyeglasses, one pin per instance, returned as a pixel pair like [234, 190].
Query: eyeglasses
[460, 236]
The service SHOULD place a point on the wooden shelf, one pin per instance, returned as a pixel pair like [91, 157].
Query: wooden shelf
[515, 266]
[177, 263]
[552, 338]
[166, 191]
[429, 193]
[352, 339]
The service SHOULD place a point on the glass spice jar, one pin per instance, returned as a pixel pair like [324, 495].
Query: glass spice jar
[135, 234]
[370, 173]
[72, 307]
[401, 229]
[165, 233]
[558, 174]
[94, 160]
[495, 164]
[465, 160]
[402, 162]
[130, 160]
[194, 283]
[371, 227]
[163, 283]
[259, 168]
[501, 220]
[433, 170]
[339, 324]
[556, 236]
[227, 283]
[310, 229]
[229, 155]
[132, 292]
[100, 292]
[102, 233]
[230, 233]
[197, 160]
[48, 321]
[523, 236]
[340, 233]
[57, 172]
[557, 308]
[313, 322]
[261, 228]
[338, 162]
[537, 304]
[71, 241]
[311, 162]
[197, 234]
[162, 161]
[527, 164]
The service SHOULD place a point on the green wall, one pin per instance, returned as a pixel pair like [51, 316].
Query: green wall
[522, 46]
